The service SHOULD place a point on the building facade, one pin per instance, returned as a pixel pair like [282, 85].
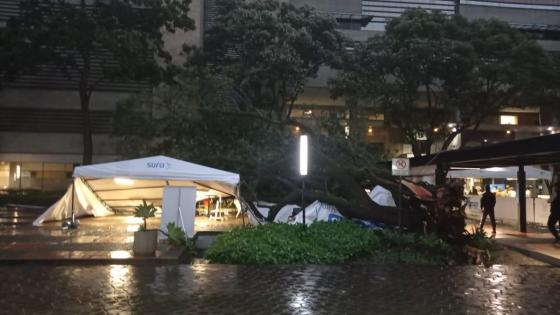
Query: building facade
[40, 132]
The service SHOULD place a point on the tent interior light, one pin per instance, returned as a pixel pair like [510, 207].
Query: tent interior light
[303, 155]
[495, 169]
[123, 181]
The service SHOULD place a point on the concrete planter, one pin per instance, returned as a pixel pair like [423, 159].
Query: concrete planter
[145, 243]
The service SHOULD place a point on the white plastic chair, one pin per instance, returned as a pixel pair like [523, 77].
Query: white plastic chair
[216, 214]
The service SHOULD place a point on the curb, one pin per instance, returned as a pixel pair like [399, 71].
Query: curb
[85, 262]
[535, 255]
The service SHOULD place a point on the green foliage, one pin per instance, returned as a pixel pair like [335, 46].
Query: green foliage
[30, 197]
[411, 248]
[478, 238]
[176, 235]
[429, 69]
[193, 120]
[269, 49]
[328, 243]
[229, 108]
[144, 211]
[321, 243]
[71, 35]
[91, 43]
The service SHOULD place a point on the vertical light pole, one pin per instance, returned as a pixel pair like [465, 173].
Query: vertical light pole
[303, 161]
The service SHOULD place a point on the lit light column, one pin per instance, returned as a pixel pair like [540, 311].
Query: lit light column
[303, 166]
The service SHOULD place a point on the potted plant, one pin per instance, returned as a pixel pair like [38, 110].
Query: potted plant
[179, 243]
[145, 241]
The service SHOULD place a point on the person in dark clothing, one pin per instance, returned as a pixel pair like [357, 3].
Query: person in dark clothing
[554, 214]
[487, 204]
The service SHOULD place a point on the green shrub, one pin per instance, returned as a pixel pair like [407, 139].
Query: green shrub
[412, 248]
[176, 235]
[328, 243]
[144, 211]
[320, 243]
[30, 197]
[478, 238]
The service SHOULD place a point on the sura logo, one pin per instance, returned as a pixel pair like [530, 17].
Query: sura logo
[160, 165]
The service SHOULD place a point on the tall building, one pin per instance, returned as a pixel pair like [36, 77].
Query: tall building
[538, 18]
[41, 120]
[40, 124]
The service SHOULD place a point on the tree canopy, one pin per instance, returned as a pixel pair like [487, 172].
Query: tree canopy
[436, 76]
[270, 49]
[92, 42]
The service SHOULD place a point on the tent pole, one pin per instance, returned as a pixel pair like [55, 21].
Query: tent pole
[73, 192]
[522, 199]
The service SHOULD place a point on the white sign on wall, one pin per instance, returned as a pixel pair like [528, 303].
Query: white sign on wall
[400, 167]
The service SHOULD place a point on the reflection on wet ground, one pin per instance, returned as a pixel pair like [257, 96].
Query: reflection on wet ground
[97, 238]
[224, 289]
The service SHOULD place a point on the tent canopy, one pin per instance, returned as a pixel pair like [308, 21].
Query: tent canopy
[102, 189]
[500, 172]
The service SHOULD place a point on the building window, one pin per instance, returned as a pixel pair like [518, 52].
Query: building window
[508, 120]
[35, 175]
[308, 113]
[376, 117]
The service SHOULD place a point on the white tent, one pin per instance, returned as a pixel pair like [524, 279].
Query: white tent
[102, 189]
[500, 172]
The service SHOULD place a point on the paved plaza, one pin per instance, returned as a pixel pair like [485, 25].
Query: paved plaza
[97, 239]
[32, 287]
[224, 289]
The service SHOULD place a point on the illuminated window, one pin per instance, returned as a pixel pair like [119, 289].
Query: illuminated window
[508, 120]
[379, 117]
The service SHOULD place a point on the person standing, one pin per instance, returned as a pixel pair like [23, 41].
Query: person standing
[487, 204]
[554, 213]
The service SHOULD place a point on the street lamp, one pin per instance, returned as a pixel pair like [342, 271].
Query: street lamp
[303, 163]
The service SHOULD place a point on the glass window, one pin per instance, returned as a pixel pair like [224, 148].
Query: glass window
[35, 175]
[407, 148]
[508, 120]
[308, 113]
[4, 175]
[57, 176]
[31, 175]
[380, 117]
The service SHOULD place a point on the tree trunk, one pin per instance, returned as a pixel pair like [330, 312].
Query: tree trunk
[87, 154]
[471, 133]
[448, 140]
[349, 198]
[354, 122]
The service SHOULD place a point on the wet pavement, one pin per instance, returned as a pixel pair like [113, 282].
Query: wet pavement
[99, 239]
[536, 243]
[225, 289]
